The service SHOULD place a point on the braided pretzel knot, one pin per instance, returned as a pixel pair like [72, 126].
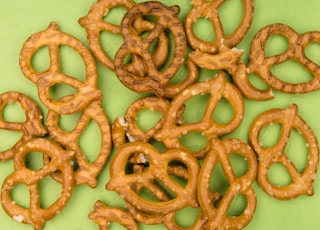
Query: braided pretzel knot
[86, 172]
[156, 80]
[53, 38]
[158, 164]
[301, 182]
[31, 127]
[218, 217]
[297, 44]
[103, 215]
[218, 88]
[60, 160]
[209, 10]
[94, 24]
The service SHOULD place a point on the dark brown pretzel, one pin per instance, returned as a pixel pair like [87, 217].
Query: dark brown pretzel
[31, 127]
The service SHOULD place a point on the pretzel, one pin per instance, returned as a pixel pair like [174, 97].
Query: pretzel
[260, 64]
[156, 80]
[94, 24]
[60, 160]
[230, 60]
[209, 10]
[157, 170]
[31, 127]
[301, 181]
[53, 38]
[103, 215]
[217, 216]
[127, 126]
[87, 171]
[217, 88]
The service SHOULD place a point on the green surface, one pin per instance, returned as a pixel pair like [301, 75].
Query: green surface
[19, 19]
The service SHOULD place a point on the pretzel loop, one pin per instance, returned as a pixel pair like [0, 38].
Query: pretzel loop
[301, 181]
[134, 44]
[217, 88]
[297, 44]
[157, 170]
[209, 10]
[31, 127]
[60, 160]
[218, 217]
[86, 172]
[53, 38]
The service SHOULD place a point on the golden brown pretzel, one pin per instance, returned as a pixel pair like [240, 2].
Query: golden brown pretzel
[155, 80]
[230, 60]
[219, 152]
[218, 88]
[209, 10]
[301, 181]
[60, 160]
[157, 170]
[103, 215]
[87, 171]
[260, 64]
[94, 24]
[54, 38]
[31, 127]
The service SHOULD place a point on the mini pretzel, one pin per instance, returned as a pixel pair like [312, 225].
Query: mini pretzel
[158, 164]
[53, 38]
[87, 171]
[297, 44]
[103, 215]
[127, 126]
[217, 216]
[301, 181]
[155, 80]
[94, 24]
[230, 60]
[209, 10]
[31, 127]
[218, 88]
[60, 160]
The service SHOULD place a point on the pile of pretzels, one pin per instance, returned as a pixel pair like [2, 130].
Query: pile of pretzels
[156, 45]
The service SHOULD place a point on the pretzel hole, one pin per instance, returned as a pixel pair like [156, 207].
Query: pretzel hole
[276, 44]
[11, 138]
[312, 51]
[59, 90]
[69, 121]
[147, 194]
[177, 171]
[148, 118]
[203, 29]
[297, 150]
[114, 15]
[20, 195]
[223, 113]
[237, 206]
[49, 191]
[71, 63]
[90, 141]
[194, 141]
[218, 182]
[195, 108]
[34, 161]
[13, 112]
[270, 134]
[239, 164]
[40, 60]
[230, 24]
[187, 216]
[165, 189]
[278, 175]
[292, 72]
[257, 82]
[110, 43]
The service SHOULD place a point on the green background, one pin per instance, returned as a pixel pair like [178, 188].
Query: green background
[19, 19]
